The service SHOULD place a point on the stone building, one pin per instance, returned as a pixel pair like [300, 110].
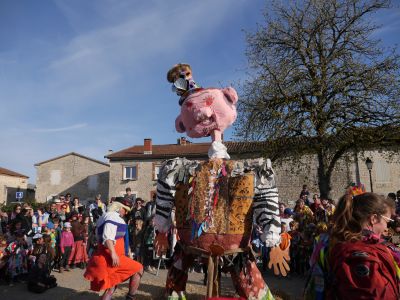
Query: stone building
[71, 173]
[137, 167]
[10, 183]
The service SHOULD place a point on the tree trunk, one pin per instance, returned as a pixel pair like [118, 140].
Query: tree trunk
[324, 177]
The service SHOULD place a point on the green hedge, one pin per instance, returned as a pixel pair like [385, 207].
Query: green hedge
[9, 207]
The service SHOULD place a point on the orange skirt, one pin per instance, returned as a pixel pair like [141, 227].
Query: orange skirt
[100, 272]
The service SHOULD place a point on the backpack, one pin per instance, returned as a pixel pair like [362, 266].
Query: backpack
[351, 271]
[360, 270]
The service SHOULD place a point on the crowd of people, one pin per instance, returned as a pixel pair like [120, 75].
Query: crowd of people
[345, 250]
[300, 226]
[61, 235]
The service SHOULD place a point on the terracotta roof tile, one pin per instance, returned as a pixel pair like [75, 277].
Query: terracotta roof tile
[4, 171]
[198, 150]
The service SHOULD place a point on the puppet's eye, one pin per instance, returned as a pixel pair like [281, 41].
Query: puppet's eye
[189, 104]
[209, 101]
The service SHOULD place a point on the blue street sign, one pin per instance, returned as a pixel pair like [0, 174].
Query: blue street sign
[19, 195]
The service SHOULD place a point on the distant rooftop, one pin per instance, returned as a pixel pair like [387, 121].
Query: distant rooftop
[183, 148]
[72, 153]
[4, 171]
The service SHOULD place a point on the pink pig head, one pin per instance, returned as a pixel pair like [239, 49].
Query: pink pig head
[207, 112]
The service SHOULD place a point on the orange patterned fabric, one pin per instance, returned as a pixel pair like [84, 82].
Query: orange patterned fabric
[181, 205]
[231, 212]
[241, 193]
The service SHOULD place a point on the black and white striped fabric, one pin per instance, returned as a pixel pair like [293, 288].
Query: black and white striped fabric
[265, 204]
[171, 172]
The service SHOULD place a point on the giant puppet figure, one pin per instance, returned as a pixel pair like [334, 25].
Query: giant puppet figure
[217, 201]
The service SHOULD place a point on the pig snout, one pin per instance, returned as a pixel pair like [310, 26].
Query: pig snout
[202, 114]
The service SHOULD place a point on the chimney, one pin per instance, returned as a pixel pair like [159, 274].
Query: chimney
[148, 147]
[109, 153]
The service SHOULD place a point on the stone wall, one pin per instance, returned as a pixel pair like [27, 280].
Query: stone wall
[385, 171]
[74, 174]
[292, 175]
[9, 185]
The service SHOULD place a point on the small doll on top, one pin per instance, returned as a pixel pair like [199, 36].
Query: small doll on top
[181, 78]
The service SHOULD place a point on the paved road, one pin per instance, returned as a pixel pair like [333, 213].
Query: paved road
[72, 286]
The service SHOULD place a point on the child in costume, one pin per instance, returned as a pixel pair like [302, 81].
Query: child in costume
[50, 231]
[66, 244]
[78, 256]
[17, 252]
[285, 237]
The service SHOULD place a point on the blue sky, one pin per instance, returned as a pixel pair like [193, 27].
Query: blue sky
[89, 76]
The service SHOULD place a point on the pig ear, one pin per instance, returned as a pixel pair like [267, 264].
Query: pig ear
[230, 94]
[179, 125]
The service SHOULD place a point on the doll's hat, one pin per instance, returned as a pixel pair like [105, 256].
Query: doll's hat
[171, 75]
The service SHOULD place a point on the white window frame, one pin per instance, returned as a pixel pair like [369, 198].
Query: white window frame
[124, 167]
[155, 173]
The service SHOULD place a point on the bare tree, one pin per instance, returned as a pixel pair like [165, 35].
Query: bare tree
[320, 82]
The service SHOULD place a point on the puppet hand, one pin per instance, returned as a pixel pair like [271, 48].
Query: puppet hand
[161, 243]
[279, 258]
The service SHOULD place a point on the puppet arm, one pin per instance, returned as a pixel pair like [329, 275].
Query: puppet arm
[171, 172]
[265, 204]
[266, 214]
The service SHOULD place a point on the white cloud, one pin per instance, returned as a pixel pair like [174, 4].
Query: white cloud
[96, 60]
[113, 52]
[60, 129]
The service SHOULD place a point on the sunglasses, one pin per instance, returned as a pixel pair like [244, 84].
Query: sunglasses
[388, 220]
